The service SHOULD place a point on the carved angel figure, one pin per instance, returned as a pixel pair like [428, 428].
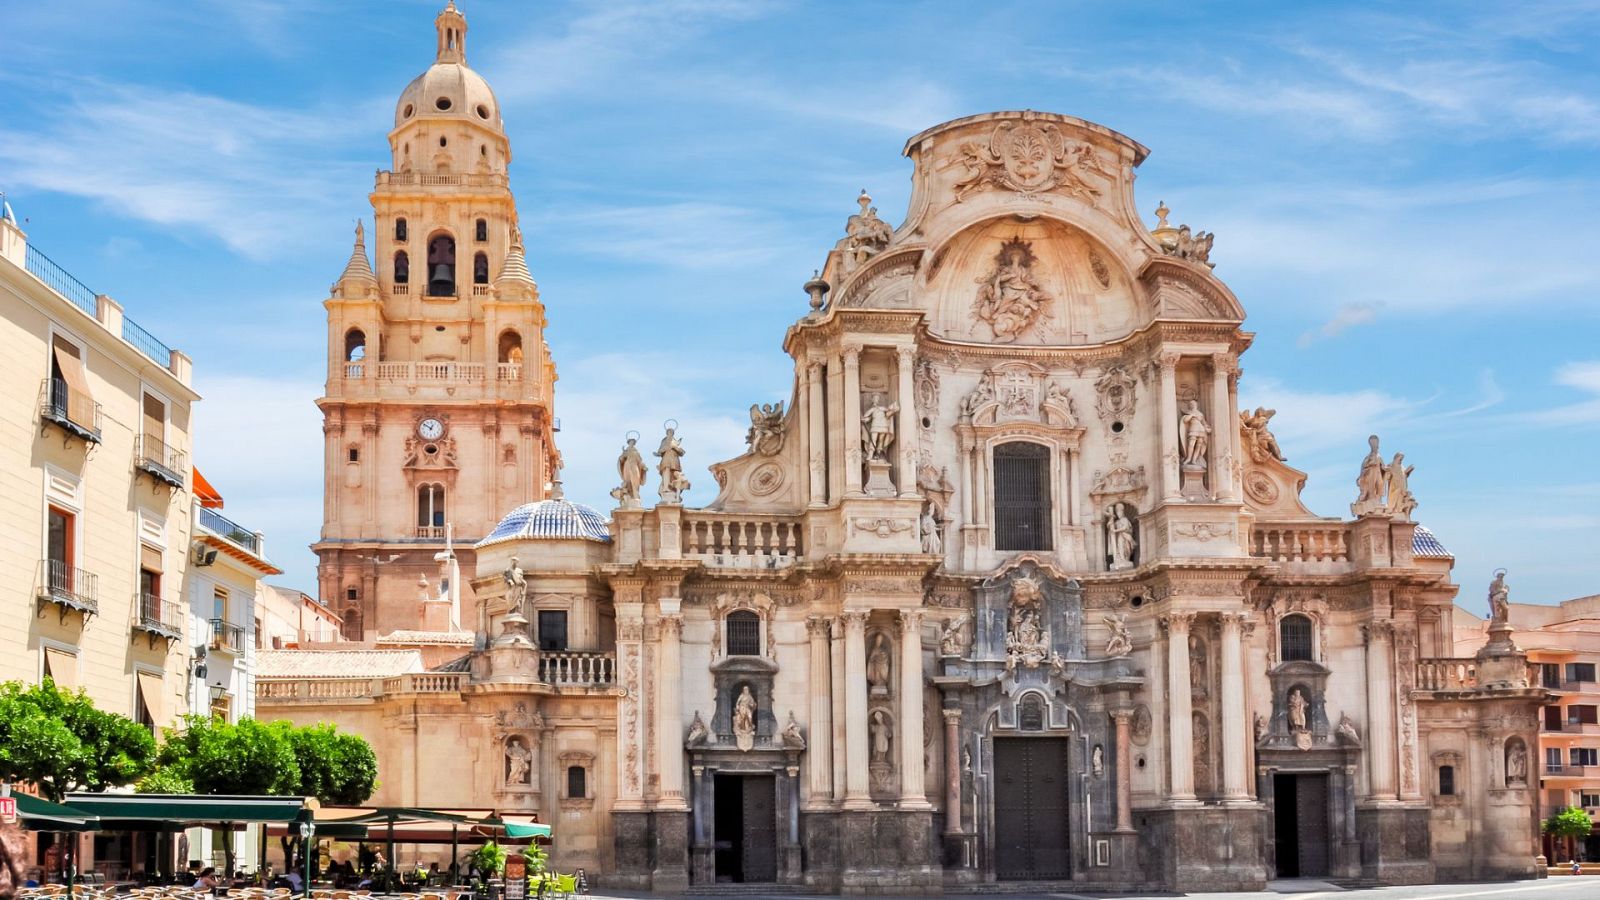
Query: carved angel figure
[1009, 299]
[631, 469]
[952, 637]
[766, 428]
[1257, 438]
[698, 732]
[1119, 643]
[1347, 729]
[793, 739]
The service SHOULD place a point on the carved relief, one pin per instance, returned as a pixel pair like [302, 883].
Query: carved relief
[1027, 641]
[1030, 158]
[766, 479]
[882, 527]
[926, 381]
[1261, 488]
[1009, 299]
[766, 433]
[1097, 265]
[1116, 391]
[865, 233]
[1204, 531]
[1142, 725]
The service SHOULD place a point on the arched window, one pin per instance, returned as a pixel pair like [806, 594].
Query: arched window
[1294, 638]
[510, 347]
[481, 231]
[441, 266]
[1021, 496]
[480, 268]
[430, 506]
[1447, 781]
[402, 267]
[355, 345]
[577, 783]
[350, 619]
[399, 229]
[744, 633]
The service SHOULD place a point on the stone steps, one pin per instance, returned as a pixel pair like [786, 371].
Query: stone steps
[765, 889]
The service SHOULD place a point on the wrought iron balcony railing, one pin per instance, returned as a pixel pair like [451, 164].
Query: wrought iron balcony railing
[153, 457]
[68, 586]
[156, 616]
[71, 410]
[227, 636]
[227, 529]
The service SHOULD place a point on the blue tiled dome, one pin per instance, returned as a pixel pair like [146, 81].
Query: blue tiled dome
[1424, 544]
[550, 520]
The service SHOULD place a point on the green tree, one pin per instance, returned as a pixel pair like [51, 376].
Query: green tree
[1570, 823]
[60, 742]
[337, 769]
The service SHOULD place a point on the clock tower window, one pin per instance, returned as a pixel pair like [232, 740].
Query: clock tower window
[510, 347]
[481, 233]
[441, 266]
[402, 267]
[430, 506]
[399, 229]
[355, 345]
[480, 268]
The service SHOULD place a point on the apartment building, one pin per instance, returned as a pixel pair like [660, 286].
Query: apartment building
[290, 618]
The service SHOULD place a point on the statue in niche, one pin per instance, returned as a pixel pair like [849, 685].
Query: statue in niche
[1516, 764]
[952, 638]
[698, 732]
[1397, 479]
[877, 428]
[1369, 482]
[1297, 711]
[1097, 761]
[1119, 537]
[765, 436]
[1119, 643]
[1201, 747]
[1026, 642]
[744, 719]
[1260, 727]
[1196, 436]
[1347, 729]
[1198, 681]
[1009, 299]
[932, 544]
[878, 665]
[865, 233]
[1257, 438]
[882, 736]
[631, 469]
[792, 738]
[1499, 598]
[519, 761]
[670, 469]
[516, 590]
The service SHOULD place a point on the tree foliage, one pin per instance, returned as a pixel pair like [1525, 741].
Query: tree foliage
[60, 742]
[337, 769]
[1571, 822]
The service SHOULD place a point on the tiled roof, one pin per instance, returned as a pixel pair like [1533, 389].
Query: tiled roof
[336, 663]
[550, 520]
[1424, 544]
[462, 664]
[456, 638]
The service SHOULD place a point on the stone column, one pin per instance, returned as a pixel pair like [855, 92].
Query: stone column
[836, 692]
[1224, 426]
[906, 428]
[1380, 711]
[1168, 432]
[669, 711]
[630, 706]
[819, 749]
[817, 429]
[1233, 749]
[855, 710]
[852, 422]
[1124, 719]
[912, 792]
[1180, 754]
[952, 771]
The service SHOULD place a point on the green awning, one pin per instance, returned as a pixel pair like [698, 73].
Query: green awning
[526, 831]
[42, 815]
[186, 809]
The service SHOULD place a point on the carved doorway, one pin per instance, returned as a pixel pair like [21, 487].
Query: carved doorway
[1031, 793]
[1300, 820]
[744, 828]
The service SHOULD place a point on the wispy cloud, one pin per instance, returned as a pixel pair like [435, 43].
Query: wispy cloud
[687, 235]
[1584, 377]
[1345, 317]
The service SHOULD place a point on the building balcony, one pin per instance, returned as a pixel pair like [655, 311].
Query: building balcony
[741, 541]
[1569, 728]
[1563, 770]
[157, 617]
[227, 636]
[153, 457]
[68, 587]
[428, 532]
[1301, 543]
[423, 179]
[568, 668]
[230, 531]
[72, 411]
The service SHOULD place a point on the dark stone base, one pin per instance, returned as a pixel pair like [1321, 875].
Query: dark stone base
[887, 852]
[819, 841]
[632, 847]
[1395, 843]
[669, 872]
[1202, 848]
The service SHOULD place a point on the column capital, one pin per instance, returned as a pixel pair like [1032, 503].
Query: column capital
[1377, 632]
[670, 626]
[1122, 715]
[851, 356]
[817, 626]
[951, 716]
[1234, 620]
[910, 620]
[1177, 622]
[814, 369]
[906, 355]
[1223, 363]
[854, 619]
[1167, 360]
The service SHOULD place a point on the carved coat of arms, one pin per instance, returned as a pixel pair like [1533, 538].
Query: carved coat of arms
[1029, 158]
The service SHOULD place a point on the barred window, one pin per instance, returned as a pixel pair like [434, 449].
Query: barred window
[1021, 496]
[1447, 781]
[552, 629]
[1294, 638]
[744, 633]
[577, 783]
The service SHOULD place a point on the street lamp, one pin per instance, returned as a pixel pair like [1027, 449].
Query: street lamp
[308, 830]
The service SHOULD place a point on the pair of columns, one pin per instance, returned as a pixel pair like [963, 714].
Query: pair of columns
[1179, 691]
[849, 385]
[848, 658]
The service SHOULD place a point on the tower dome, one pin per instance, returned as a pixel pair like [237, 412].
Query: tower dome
[449, 89]
[553, 519]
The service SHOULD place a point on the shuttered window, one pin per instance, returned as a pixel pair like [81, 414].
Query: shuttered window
[1021, 497]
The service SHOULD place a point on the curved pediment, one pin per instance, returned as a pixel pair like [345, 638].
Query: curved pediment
[1179, 289]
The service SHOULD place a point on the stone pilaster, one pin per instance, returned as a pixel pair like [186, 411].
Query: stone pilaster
[1223, 428]
[817, 430]
[1234, 772]
[852, 422]
[669, 711]
[819, 749]
[912, 792]
[1167, 433]
[1380, 711]
[1180, 722]
[906, 430]
[855, 710]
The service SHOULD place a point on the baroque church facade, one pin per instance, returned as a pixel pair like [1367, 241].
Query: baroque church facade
[1008, 587]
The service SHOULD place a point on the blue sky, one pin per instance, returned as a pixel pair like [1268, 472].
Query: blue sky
[1402, 196]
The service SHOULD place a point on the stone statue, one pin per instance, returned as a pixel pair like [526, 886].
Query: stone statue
[1499, 598]
[1261, 727]
[1119, 644]
[516, 590]
[630, 467]
[1347, 729]
[1198, 682]
[765, 436]
[673, 484]
[518, 762]
[952, 637]
[882, 736]
[1369, 482]
[698, 732]
[865, 233]
[1516, 764]
[1195, 434]
[878, 665]
[983, 393]
[877, 428]
[744, 719]
[1397, 480]
[1297, 711]
[1119, 538]
[1097, 761]
[932, 544]
[1258, 439]
[1009, 298]
[793, 739]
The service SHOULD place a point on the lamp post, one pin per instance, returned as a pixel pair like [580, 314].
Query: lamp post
[308, 830]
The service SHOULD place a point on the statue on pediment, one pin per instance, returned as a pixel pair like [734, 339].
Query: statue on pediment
[1009, 299]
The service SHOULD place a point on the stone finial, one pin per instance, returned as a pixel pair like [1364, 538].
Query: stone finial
[1162, 212]
[817, 287]
[864, 201]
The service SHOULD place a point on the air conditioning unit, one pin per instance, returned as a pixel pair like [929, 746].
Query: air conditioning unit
[203, 555]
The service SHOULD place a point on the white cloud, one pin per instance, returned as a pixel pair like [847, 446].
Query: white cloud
[1582, 376]
[1346, 316]
[1314, 422]
[686, 235]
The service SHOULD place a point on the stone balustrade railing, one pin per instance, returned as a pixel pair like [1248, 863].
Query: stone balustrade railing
[1447, 674]
[425, 683]
[509, 375]
[577, 669]
[1301, 542]
[741, 541]
[313, 688]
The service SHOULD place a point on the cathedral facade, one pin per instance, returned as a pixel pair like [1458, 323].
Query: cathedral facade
[1008, 587]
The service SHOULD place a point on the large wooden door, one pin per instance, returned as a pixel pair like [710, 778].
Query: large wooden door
[1031, 791]
[1311, 811]
[759, 841]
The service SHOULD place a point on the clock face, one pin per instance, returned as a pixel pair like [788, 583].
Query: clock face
[430, 429]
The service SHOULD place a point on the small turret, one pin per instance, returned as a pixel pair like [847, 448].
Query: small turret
[452, 26]
[357, 279]
[515, 282]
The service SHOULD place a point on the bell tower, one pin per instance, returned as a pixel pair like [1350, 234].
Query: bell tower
[437, 413]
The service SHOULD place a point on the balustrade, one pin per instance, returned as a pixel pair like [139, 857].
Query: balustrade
[1447, 674]
[1301, 542]
[741, 541]
[574, 668]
